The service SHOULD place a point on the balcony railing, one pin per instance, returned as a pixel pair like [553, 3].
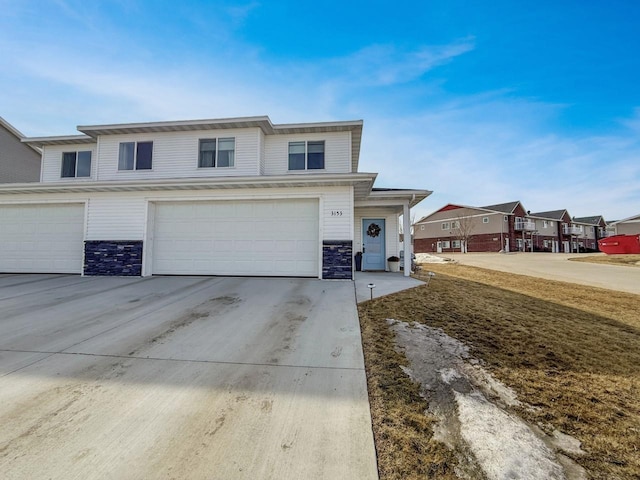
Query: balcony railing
[527, 225]
[571, 230]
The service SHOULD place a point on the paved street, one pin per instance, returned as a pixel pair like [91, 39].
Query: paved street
[556, 266]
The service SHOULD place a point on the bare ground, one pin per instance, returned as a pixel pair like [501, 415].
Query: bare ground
[564, 361]
[630, 260]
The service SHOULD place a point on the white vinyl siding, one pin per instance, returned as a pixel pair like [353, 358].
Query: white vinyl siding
[42, 238]
[116, 217]
[52, 161]
[244, 237]
[337, 152]
[175, 154]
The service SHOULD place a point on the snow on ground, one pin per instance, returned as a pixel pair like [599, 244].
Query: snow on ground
[472, 406]
[428, 258]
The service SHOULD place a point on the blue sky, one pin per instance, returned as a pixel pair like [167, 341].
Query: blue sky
[481, 102]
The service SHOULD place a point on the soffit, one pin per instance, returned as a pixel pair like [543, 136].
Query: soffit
[360, 182]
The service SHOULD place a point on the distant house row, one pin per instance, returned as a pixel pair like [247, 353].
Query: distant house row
[509, 227]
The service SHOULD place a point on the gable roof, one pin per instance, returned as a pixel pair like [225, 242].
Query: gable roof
[552, 215]
[456, 206]
[508, 207]
[632, 218]
[594, 220]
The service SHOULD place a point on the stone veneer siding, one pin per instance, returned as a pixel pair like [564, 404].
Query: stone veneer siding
[113, 258]
[337, 259]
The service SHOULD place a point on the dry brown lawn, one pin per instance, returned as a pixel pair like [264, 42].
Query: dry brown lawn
[570, 352]
[630, 260]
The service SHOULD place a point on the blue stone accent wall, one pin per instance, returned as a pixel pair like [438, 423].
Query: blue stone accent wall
[113, 258]
[337, 258]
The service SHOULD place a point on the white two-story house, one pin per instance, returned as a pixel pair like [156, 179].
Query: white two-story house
[239, 196]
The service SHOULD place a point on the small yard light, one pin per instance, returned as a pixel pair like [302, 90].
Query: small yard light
[371, 287]
[431, 275]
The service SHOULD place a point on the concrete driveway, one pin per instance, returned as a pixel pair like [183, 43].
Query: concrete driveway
[556, 266]
[181, 377]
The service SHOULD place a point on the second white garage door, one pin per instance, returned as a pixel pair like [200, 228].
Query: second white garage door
[261, 237]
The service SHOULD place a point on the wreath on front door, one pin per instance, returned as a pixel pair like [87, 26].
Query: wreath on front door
[373, 230]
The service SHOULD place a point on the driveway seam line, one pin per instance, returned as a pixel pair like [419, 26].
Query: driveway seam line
[127, 357]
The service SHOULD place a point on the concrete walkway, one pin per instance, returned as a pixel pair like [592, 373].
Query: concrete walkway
[385, 283]
[556, 266]
[181, 377]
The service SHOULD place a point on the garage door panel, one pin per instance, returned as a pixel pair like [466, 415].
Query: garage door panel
[41, 238]
[278, 237]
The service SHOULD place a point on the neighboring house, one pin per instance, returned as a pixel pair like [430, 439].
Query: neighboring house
[594, 228]
[627, 226]
[474, 229]
[505, 227]
[237, 196]
[18, 162]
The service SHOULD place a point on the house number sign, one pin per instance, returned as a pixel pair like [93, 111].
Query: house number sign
[336, 213]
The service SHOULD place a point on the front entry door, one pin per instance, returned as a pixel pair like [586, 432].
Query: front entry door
[373, 248]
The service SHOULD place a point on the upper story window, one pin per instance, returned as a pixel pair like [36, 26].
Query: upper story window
[76, 164]
[485, 219]
[135, 156]
[445, 226]
[306, 155]
[217, 152]
[455, 224]
[545, 224]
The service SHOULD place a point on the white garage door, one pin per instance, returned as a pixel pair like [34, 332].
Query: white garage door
[265, 237]
[41, 238]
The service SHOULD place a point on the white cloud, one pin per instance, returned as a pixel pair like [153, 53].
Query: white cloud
[383, 65]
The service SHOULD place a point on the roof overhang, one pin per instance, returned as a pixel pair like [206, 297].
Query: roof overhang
[395, 199]
[62, 140]
[362, 183]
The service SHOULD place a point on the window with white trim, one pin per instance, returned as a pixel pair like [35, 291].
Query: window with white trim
[455, 224]
[135, 156]
[446, 244]
[216, 153]
[445, 225]
[485, 219]
[76, 164]
[455, 244]
[306, 155]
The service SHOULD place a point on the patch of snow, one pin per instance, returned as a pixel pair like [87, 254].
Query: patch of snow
[492, 386]
[504, 445]
[448, 375]
[567, 443]
[428, 258]
[470, 405]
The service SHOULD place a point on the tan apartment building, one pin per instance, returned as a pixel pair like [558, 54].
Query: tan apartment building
[455, 228]
[506, 227]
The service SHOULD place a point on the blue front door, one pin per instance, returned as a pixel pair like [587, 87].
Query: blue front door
[373, 249]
